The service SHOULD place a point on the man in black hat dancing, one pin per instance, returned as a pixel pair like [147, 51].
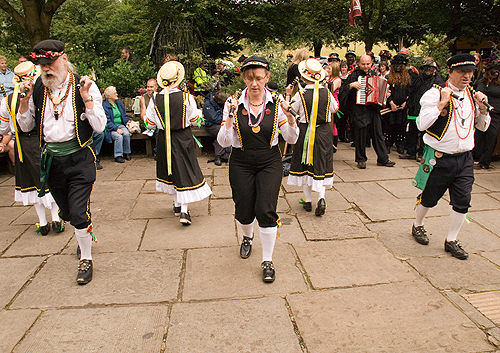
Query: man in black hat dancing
[449, 116]
[66, 109]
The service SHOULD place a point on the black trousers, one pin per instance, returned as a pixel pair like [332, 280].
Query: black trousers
[360, 135]
[485, 142]
[255, 177]
[453, 173]
[71, 180]
[414, 141]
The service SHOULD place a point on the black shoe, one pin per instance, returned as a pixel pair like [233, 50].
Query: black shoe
[246, 248]
[84, 275]
[127, 156]
[218, 160]
[43, 230]
[185, 219]
[407, 156]
[268, 271]
[307, 206]
[455, 248]
[401, 150]
[177, 211]
[362, 165]
[320, 209]
[389, 163]
[58, 227]
[419, 234]
[98, 166]
[119, 159]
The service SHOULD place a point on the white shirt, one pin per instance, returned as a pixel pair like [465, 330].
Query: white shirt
[192, 111]
[63, 129]
[300, 109]
[459, 137]
[227, 138]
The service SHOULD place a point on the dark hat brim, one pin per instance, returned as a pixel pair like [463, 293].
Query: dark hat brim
[464, 67]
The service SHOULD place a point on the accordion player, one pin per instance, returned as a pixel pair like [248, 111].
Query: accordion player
[373, 90]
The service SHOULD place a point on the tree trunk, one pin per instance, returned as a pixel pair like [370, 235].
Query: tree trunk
[318, 44]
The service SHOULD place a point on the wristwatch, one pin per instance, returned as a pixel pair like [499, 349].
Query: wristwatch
[89, 99]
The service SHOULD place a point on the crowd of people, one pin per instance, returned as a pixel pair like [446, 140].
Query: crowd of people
[53, 127]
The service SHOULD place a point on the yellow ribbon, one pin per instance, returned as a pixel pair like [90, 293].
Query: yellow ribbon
[312, 124]
[168, 143]
[12, 111]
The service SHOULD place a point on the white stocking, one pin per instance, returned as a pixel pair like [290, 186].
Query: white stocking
[267, 239]
[40, 211]
[307, 192]
[456, 221]
[247, 229]
[421, 211]
[85, 242]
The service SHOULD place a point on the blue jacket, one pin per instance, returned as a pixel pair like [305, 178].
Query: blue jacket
[110, 124]
[212, 111]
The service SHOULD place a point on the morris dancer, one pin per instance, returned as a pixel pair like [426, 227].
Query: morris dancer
[448, 164]
[177, 169]
[312, 159]
[250, 125]
[65, 117]
[27, 155]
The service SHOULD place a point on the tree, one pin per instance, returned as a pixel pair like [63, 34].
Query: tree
[33, 16]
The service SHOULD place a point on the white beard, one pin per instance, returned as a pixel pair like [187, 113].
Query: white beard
[56, 80]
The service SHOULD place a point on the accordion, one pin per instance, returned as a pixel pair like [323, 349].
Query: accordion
[373, 90]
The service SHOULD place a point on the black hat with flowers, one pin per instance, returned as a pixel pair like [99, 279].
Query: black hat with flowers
[47, 51]
[255, 62]
[462, 61]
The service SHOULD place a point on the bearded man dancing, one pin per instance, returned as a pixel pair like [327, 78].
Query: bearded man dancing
[449, 117]
[66, 109]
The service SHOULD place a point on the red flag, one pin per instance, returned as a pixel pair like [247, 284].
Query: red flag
[354, 10]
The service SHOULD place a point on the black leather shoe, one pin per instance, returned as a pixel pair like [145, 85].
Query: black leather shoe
[268, 273]
[127, 156]
[98, 166]
[177, 211]
[246, 248]
[84, 275]
[185, 219]
[307, 206]
[218, 160]
[401, 150]
[58, 227]
[419, 234]
[362, 165]
[44, 230]
[407, 156]
[320, 209]
[455, 248]
[389, 163]
[119, 159]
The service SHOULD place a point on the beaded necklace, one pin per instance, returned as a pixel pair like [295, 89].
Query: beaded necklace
[255, 127]
[458, 110]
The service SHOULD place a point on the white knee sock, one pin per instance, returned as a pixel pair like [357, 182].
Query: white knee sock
[176, 203]
[184, 207]
[421, 211]
[85, 242]
[247, 229]
[321, 193]
[456, 221]
[40, 211]
[307, 193]
[53, 212]
[267, 239]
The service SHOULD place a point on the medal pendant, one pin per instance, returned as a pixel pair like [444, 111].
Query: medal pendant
[56, 100]
[255, 129]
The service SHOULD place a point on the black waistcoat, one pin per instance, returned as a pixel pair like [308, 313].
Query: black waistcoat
[268, 126]
[83, 129]
[323, 104]
[177, 105]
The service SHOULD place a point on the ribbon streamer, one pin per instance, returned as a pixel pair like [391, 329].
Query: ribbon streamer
[168, 142]
[308, 148]
[12, 111]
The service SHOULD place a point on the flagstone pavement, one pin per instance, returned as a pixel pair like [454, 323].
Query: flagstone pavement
[353, 280]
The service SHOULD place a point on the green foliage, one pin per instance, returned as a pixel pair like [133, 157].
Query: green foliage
[126, 80]
[436, 46]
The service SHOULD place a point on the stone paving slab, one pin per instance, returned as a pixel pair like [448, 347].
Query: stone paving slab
[289, 232]
[397, 317]
[332, 226]
[14, 273]
[495, 195]
[8, 180]
[149, 187]
[374, 172]
[13, 325]
[221, 176]
[29, 217]
[110, 169]
[487, 219]
[476, 189]
[347, 263]
[446, 272]
[138, 168]
[221, 207]
[483, 202]
[31, 244]
[218, 273]
[114, 236]
[488, 181]
[222, 192]
[117, 190]
[204, 232]
[160, 205]
[12, 214]
[103, 211]
[8, 234]
[6, 196]
[402, 189]
[259, 325]
[493, 256]
[118, 329]
[119, 278]
[334, 202]
[396, 235]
